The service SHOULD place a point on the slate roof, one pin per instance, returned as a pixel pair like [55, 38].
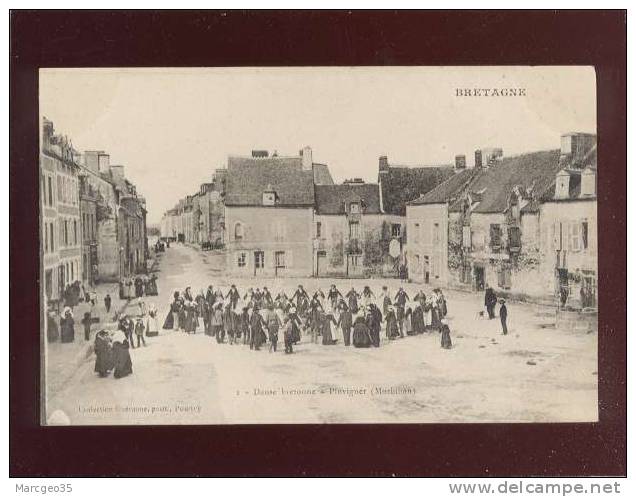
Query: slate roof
[330, 199]
[277, 160]
[248, 178]
[322, 176]
[448, 190]
[536, 169]
[402, 184]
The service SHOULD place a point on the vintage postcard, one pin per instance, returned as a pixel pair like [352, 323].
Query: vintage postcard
[318, 245]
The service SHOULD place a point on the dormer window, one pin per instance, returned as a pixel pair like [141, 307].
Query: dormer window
[269, 198]
[562, 189]
[238, 231]
[588, 182]
[354, 208]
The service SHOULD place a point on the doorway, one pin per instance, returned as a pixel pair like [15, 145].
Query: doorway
[480, 279]
[259, 262]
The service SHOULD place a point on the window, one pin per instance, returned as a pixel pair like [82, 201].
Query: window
[574, 231]
[416, 233]
[514, 237]
[354, 230]
[259, 260]
[279, 258]
[584, 234]
[65, 233]
[269, 198]
[52, 236]
[354, 208]
[280, 231]
[59, 188]
[318, 229]
[238, 231]
[241, 260]
[503, 278]
[50, 192]
[43, 189]
[354, 261]
[396, 230]
[436, 233]
[46, 238]
[466, 273]
[495, 237]
[75, 231]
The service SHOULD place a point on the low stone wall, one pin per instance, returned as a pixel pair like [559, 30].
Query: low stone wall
[577, 320]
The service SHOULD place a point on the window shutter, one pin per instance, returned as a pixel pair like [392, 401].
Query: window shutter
[289, 259]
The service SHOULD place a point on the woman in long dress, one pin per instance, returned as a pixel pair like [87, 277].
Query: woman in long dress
[327, 322]
[67, 326]
[121, 355]
[392, 329]
[152, 326]
[257, 322]
[361, 332]
[103, 353]
[417, 319]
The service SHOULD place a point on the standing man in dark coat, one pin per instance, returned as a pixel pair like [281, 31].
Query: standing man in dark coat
[503, 315]
[490, 301]
[400, 303]
[107, 302]
[345, 321]
[352, 298]
[374, 323]
[234, 297]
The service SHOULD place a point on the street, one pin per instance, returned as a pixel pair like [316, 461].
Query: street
[534, 374]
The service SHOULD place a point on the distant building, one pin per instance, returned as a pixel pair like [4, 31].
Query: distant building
[269, 215]
[61, 223]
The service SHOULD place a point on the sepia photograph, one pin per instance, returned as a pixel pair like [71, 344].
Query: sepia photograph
[318, 245]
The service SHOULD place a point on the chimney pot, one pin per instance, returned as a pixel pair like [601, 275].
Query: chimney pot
[460, 162]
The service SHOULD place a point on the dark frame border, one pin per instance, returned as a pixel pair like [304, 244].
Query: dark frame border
[323, 38]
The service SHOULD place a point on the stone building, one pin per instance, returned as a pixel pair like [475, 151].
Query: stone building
[209, 211]
[88, 213]
[400, 184]
[351, 235]
[61, 223]
[491, 225]
[120, 213]
[269, 206]
[568, 220]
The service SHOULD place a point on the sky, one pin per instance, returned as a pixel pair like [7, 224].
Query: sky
[171, 128]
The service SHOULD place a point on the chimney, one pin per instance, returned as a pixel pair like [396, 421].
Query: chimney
[383, 163]
[575, 146]
[486, 157]
[103, 163]
[562, 188]
[47, 132]
[307, 159]
[91, 160]
[460, 162]
[117, 172]
[478, 162]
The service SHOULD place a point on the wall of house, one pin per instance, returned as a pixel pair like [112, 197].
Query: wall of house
[343, 257]
[579, 259]
[427, 246]
[270, 230]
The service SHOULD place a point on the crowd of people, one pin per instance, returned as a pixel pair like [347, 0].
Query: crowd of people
[112, 349]
[259, 319]
[139, 286]
[355, 318]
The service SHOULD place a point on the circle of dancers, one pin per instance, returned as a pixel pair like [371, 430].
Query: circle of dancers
[258, 318]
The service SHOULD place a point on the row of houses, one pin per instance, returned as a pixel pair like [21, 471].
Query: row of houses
[523, 224]
[93, 221]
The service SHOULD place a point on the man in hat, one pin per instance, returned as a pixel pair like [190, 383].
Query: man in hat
[400, 303]
[345, 322]
[503, 316]
[490, 301]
